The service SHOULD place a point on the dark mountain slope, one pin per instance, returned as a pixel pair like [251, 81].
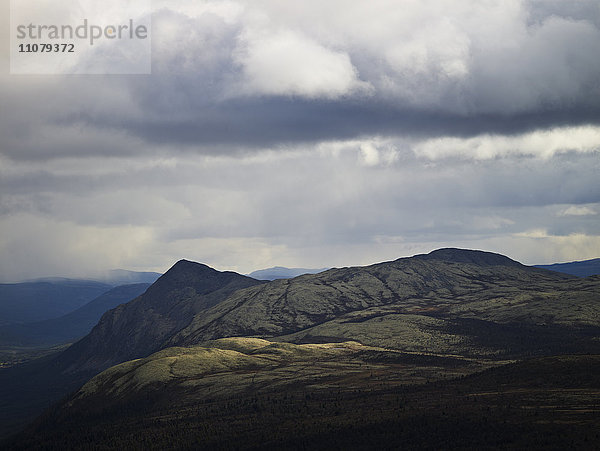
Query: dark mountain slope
[443, 282]
[140, 327]
[36, 301]
[129, 331]
[71, 326]
[583, 268]
[26, 390]
[238, 396]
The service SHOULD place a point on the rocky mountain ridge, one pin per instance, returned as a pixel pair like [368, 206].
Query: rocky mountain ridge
[429, 297]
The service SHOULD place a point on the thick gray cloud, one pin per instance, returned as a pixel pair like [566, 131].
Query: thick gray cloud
[290, 203]
[258, 73]
[311, 134]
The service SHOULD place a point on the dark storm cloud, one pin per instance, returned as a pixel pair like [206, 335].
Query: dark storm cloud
[262, 124]
[236, 126]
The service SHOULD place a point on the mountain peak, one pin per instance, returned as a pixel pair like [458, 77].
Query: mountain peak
[185, 273]
[139, 327]
[477, 257]
[188, 264]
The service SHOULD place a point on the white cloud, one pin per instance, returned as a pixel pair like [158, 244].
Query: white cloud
[289, 63]
[370, 154]
[539, 143]
[533, 233]
[466, 57]
[230, 11]
[578, 210]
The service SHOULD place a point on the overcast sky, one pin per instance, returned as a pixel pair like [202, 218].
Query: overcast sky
[311, 134]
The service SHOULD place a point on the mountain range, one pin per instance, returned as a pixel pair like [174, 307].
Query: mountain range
[200, 343]
[113, 277]
[424, 301]
[52, 297]
[73, 325]
[583, 268]
[37, 301]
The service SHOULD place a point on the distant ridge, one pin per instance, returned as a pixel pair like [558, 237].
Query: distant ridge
[125, 277]
[584, 268]
[37, 301]
[281, 272]
[71, 326]
[113, 277]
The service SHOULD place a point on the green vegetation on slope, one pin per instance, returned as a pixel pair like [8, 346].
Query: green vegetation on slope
[361, 398]
[232, 366]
